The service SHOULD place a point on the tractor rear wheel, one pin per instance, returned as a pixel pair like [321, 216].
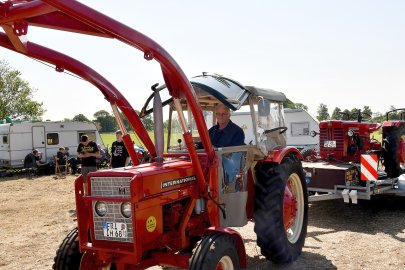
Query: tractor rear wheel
[215, 251]
[68, 255]
[281, 210]
[393, 151]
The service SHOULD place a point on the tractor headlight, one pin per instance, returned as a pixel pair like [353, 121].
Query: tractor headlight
[350, 133]
[101, 208]
[126, 210]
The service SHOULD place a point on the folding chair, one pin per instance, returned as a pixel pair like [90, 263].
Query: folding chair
[61, 168]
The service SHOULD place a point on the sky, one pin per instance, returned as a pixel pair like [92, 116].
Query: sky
[344, 53]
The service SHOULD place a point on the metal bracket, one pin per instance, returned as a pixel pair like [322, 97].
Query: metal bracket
[20, 28]
[353, 196]
[345, 195]
[148, 55]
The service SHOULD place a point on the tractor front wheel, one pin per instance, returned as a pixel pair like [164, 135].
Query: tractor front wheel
[281, 210]
[68, 255]
[215, 252]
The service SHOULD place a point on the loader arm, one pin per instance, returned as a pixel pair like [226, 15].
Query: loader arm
[67, 15]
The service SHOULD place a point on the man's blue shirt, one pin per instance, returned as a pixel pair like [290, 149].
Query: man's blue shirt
[231, 135]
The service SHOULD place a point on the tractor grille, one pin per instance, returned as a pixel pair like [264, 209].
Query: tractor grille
[110, 186]
[332, 134]
[117, 187]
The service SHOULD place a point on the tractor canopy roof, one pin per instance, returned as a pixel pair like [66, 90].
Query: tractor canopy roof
[213, 88]
[228, 91]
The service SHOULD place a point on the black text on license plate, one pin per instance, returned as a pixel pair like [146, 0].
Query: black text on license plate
[115, 229]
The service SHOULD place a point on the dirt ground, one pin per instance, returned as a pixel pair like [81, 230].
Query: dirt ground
[35, 216]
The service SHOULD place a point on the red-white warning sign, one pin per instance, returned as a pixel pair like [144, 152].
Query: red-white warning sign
[368, 169]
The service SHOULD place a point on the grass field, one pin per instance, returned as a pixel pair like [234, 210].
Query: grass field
[109, 138]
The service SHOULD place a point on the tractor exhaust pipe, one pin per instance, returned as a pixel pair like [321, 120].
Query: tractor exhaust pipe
[158, 123]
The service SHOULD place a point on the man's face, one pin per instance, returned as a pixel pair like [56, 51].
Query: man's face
[118, 136]
[85, 143]
[222, 115]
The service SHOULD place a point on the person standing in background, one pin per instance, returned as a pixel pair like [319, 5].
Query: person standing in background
[88, 152]
[119, 154]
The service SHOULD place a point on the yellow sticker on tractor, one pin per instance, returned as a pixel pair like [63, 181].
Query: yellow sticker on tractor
[151, 224]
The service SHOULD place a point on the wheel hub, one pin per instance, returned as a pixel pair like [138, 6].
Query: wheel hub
[225, 263]
[290, 206]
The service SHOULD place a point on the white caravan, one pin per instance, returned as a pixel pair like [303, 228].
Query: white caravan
[299, 125]
[18, 139]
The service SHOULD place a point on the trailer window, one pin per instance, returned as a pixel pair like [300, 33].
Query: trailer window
[52, 138]
[300, 129]
[5, 139]
[90, 134]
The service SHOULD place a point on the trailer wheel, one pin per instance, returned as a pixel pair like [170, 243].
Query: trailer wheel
[393, 152]
[215, 251]
[68, 255]
[281, 210]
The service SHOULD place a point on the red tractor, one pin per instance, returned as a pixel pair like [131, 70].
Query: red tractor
[345, 141]
[176, 208]
[352, 164]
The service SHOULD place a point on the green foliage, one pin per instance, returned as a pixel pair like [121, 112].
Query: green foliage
[336, 114]
[80, 117]
[323, 113]
[367, 110]
[109, 138]
[105, 121]
[16, 96]
[291, 105]
[147, 121]
[301, 106]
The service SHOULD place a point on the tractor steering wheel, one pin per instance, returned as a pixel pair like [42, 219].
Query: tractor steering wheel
[282, 130]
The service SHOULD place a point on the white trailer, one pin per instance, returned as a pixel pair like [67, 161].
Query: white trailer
[299, 123]
[18, 139]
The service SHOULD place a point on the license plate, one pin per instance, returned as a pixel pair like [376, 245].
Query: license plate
[115, 229]
[329, 144]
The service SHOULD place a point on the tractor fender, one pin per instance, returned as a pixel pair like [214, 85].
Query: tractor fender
[278, 154]
[238, 242]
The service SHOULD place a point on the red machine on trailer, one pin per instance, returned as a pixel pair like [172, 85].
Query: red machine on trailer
[352, 165]
[176, 209]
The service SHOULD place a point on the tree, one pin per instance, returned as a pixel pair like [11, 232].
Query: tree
[147, 121]
[289, 104]
[347, 114]
[301, 106]
[16, 96]
[81, 117]
[336, 114]
[367, 110]
[106, 121]
[322, 112]
[394, 115]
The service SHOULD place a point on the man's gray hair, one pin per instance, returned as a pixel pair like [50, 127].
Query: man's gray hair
[222, 105]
